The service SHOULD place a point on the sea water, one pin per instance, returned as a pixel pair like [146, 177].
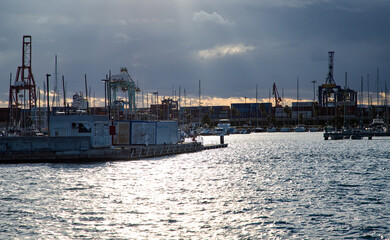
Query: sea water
[263, 186]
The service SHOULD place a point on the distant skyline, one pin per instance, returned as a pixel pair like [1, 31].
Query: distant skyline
[230, 45]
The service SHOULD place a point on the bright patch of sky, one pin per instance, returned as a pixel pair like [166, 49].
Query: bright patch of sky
[230, 45]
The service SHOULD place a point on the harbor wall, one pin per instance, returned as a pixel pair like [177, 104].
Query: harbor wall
[71, 155]
[9, 145]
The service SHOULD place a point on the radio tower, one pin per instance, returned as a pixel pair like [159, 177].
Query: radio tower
[23, 87]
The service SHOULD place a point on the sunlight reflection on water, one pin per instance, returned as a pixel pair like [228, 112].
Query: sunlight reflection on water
[282, 185]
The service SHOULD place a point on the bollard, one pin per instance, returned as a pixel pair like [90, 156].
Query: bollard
[222, 140]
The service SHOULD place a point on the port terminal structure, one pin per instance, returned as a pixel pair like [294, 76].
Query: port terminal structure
[124, 83]
[81, 135]
[22, 94]
[332, 95]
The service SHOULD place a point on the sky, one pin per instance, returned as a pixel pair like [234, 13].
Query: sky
[229, 45]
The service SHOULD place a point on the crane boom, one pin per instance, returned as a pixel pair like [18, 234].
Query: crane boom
[275, 92]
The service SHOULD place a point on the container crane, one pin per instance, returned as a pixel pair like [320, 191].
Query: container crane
[22, 94]
[278, 99]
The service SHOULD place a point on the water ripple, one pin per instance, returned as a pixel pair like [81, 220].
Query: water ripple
[263, 186]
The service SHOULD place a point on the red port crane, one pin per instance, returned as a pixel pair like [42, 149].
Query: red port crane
[22, 93]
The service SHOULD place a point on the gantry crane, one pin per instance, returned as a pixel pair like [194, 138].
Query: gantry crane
[22, 94]
[124, 83]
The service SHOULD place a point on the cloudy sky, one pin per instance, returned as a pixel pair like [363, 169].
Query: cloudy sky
[230, 45]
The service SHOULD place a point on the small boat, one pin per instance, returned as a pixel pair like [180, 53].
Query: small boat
[378, 125]
[272, 129]
[286, 129]
[356, 136]
[313, 129]
[225, 125]
[329, 129]
[300, 128]
[206, 132]
[220, 131]
[337, 136]
[244, 131]
[259, 129]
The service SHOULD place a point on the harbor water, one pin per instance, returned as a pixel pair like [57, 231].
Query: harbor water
[264, 185]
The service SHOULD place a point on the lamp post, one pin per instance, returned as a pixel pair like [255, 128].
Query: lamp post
[314, 96]
[105, 93]
[156, 94]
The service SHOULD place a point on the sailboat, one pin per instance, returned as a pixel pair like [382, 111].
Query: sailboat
[299, 128]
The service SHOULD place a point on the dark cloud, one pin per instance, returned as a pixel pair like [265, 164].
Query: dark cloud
[231, 46]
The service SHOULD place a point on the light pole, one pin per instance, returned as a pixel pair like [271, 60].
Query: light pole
[314, 96]
[105, 94]
[156, 94]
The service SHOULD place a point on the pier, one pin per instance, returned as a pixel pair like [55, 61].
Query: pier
[76, 149]
[354, 135]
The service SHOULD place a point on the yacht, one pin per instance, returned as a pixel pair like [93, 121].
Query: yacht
[225, 125]
[378, 125]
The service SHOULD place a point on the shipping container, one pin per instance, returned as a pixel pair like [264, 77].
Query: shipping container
[167, 132]
[302, 104]
[95, 127]
[122, 133]
[142, 132]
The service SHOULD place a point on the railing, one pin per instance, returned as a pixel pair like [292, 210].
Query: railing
[161, 150]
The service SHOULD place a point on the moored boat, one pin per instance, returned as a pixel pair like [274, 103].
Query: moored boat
[286, 129]
[300, 128]
[272, 129]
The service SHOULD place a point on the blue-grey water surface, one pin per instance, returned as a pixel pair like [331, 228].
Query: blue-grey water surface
[263, 186]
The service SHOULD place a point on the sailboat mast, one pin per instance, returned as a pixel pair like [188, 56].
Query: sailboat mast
[86, 92]
[345, 88]
[199, 104]
[54, 100]
[377, 87]
[298, 100]
[63, 89]
[257, 111]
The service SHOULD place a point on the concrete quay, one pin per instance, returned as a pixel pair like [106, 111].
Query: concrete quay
[354, 135]
[22, 150]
